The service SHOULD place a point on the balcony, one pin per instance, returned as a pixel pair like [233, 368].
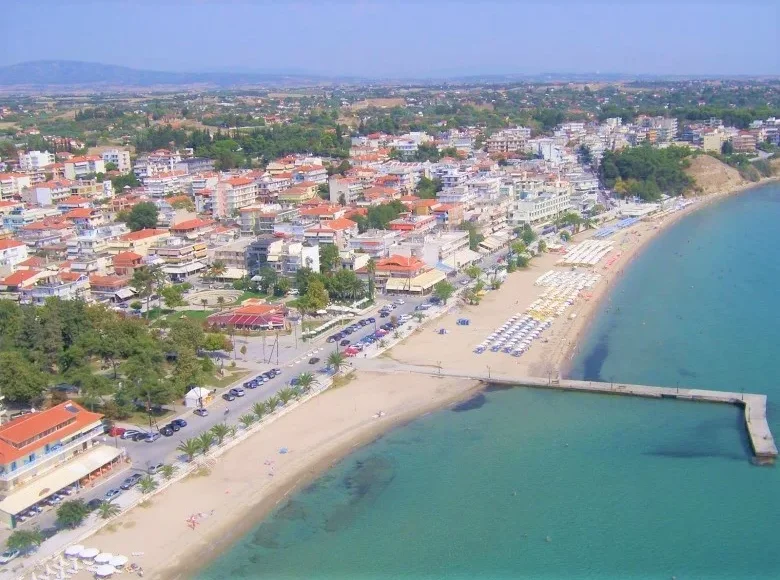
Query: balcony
[53, 457]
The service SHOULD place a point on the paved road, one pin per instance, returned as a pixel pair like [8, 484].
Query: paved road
[292, 361]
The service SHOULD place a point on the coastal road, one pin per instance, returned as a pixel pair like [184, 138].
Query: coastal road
[292, 362]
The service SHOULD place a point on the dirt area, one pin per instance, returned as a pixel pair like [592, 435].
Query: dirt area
[712, 175]
[379, 103]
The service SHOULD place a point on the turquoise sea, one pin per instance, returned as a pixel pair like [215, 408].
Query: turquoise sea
[524, 483]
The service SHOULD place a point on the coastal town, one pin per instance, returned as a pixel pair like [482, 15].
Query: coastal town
[182, 270]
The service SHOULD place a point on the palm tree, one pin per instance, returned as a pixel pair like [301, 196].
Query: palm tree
[247, 420]
[286, 395]
[260, 408]
[217, 269]
[220, 302]
[371, 269]
[206, 440]
[159, 279]
[232, 430]
[190, 447]
[305, 381]
[220, 431]
[272, 402]
[168, 471]
[108, 509]
[204, 302]
[337, 360]
[418, 316]
[147, 484]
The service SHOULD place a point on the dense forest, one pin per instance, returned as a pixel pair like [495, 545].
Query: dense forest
[646, 172]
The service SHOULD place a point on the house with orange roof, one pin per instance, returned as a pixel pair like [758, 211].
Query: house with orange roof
[125, 263]
[448, 215]
[398, 274]
[193, 227]
[47, 193]
[413, 223]
[299, 193]
[12, 253]
[377, 195]
[337, 232]
[65, 285]
[314, 173]
[22, 278]
[233, 194]
[73, 202]
[110, 288]
[85, 217]
[323, 211]
[44, 452]
[138, 242]
[9, 205]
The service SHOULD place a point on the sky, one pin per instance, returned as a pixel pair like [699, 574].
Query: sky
[401, 39]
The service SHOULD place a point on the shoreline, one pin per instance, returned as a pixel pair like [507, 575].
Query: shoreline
[588, 310]
[241, 497]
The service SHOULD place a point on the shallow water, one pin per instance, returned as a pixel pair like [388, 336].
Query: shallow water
[527, 483]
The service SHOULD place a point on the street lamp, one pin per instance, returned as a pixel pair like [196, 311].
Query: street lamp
[488, 368]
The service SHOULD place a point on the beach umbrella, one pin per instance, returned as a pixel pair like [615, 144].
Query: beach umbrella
[104, 570]
[48, 571]
[89, 553]
[74, 566]
[103, 558]
[118, 561]
[74, 550]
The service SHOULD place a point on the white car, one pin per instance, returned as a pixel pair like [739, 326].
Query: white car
[399, 301]
[8, 555]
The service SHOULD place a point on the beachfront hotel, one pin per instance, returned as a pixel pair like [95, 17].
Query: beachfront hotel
[45, 452]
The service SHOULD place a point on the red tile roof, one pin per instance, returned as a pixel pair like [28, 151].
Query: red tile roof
[142, 234]
[110, 281]
[25, 434]
[79, 212]
[192, 224]
[19, 277]
[127, 257]
[340, 224]
[238, 181]
[9, 243]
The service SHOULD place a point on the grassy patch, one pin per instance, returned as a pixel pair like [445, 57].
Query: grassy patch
[194, 314]
[229, 378]
[141, 418]
[248, 294]
[342, 380]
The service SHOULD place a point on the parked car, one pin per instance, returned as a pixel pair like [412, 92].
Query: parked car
[151, 437]
[155, 468]
[139, 436]
[180, 422]
[131, 481]
[94, 504]
[116, 431]
[314, 360]
[167, 431]
[112, 493]
[399, 301]
[238, 391]
[331, 338]
[129, 433]
[229, 396]
[344, 342]
[201, 412]
[277, 372]
[384, 314]
[8, 555]
[173, 426]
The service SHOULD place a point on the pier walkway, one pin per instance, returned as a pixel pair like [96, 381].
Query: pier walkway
[754, 405]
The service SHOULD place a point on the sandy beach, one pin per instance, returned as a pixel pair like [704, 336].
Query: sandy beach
[250, 480]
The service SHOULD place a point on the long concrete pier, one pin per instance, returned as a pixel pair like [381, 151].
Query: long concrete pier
[754, 406]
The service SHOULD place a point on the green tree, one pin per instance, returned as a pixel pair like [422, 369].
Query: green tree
[271, 403]
[215, 341]
[220, 431]
[260, 409]
[142, 216]
[475, 238]
[173, 296]
[727, 148]
[337, 361]
[282, 287]
[316, 297]
[71, 513]
[542, 246]
[143, 282]
[371, 270]
[147, 484]
[24, 540]
[190, 447]
[20, 381]
[427, 188]
[286, 395]
[329, 258]
[108, 509]
[268, 279]
[528, 235]
[473, 271]
[522, 261]
[443, 290]
[518, 247]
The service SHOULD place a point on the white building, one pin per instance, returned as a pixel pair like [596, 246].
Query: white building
[443, 249]
[78, 167]
[12, 184]
[233, 194]
[163, 184]
[12, 252]
[460, 194]
[539, 207]
[47, 193]
[120, 158]
[33, 161]
[347, 188]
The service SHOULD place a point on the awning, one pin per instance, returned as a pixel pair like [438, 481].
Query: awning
[418, 284]
[61, 477]
[124, 293]
[232, 274]
[444, 267]
[185, 269]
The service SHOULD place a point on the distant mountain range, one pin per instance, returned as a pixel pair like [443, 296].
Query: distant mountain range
[62, 73]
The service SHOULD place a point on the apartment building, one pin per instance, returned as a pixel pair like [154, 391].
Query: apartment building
[47, 193]
[375, 243]
[138, 242]
[508, 140]
[344, 190]
[12, 253]
[313, 173]
[13, 184]
[460, 194]
[20, 217]
[404, 274]
[35, 161]
[168, 183]
[264, 219]
[78, 167]
[120, 158]
[534, 208]
[233, 194]
[444, 250]
[44, 452]
[338, 232]
[413, 223]
[195, 165]
[744, 142]
[284, 257]
[62, 285]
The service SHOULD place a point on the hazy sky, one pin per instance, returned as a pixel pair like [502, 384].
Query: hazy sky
[401, 38]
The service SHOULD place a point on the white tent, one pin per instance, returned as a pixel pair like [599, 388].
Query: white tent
[196, 397]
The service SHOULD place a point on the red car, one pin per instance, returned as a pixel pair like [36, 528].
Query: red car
[116, 431]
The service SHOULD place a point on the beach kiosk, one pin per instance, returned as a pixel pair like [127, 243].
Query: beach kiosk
[197, 397]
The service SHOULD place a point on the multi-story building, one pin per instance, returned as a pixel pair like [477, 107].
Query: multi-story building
[233, 194]
[534, 208]
[12, 253]
[62, 285]
[284, 257]
[413, 223]
[164, 184]
[120, 158]
[404, 274]
[18, 218]
[47, 193]
[446, 250]
[460, 194]
[744, 142]
[78, 167]
[314, 173]
[12, 184]
[44, 452]
[375, 243]
[138, 242]
[508, 140]
[193, 165]
[232, 254]
[338, 232]
[344, 190]
[181, 257]
[264, 219]
[34, 161]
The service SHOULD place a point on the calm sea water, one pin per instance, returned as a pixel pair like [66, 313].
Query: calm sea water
[522, 483]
